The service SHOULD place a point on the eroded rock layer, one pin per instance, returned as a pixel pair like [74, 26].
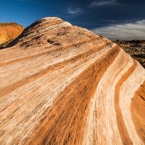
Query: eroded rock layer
[8, 32]
[136, 48]
[64, 85]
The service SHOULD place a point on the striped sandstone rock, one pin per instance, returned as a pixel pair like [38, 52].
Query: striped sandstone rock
[64, 85]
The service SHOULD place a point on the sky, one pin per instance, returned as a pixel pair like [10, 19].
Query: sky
[114, 19]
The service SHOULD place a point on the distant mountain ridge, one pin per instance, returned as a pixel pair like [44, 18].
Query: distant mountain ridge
[131, 43]
[9, 31]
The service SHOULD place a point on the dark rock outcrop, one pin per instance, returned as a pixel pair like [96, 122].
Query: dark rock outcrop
[136, 48]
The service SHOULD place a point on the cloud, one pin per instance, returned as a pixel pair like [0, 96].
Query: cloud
[124, 32]
[103, 3]
[73, 11]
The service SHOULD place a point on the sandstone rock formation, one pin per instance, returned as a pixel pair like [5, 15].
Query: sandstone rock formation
[64, 85]
[8, 32]
[136, 48]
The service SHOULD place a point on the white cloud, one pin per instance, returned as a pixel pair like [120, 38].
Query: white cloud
[124, 32]
[103, 3]
[73, 11]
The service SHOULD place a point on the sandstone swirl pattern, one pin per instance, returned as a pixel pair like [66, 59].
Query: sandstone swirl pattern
[64, 85]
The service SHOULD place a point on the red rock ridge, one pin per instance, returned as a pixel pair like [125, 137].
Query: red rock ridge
[64, 85]
[8, 32]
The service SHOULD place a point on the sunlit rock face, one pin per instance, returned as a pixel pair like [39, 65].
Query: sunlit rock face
[64, 85]
[136, 48]
[8, 32]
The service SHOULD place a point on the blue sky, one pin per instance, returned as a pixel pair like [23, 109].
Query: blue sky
[114, 19]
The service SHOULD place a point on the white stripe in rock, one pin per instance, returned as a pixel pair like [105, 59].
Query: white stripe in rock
[126, 93]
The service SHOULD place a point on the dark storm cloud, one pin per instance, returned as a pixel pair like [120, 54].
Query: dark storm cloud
[115, 19]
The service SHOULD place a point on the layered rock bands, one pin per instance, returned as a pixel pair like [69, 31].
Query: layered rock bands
[64, 85]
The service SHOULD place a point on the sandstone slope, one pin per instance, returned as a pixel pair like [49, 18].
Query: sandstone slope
[136, 48]
[64, 85]
[8, 32]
